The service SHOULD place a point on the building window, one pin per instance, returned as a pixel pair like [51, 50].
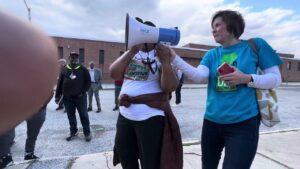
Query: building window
[121, 53]
[298, 66]
[81, 55]
[289, 65]
[101, 56]
[61, 52]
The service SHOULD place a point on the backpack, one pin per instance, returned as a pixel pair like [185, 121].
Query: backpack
[266, 98]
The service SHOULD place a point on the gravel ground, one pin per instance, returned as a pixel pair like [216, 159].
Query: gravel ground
[51, 141]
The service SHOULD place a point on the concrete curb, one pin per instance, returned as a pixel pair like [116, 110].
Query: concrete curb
[192, 156]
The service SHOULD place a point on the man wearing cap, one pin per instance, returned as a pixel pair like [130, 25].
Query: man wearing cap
[73, 83]
[96, 78]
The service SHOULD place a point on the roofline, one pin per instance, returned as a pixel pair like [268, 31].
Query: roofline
[195, 49]
[175, 47]
[293, 59]
[86, 39]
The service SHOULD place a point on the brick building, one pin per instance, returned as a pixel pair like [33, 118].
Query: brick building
[103, 53]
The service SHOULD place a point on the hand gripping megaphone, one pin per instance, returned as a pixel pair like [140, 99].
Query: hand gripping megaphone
[138, 33]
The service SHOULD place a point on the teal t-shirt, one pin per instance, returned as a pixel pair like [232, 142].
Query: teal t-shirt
[231, 104]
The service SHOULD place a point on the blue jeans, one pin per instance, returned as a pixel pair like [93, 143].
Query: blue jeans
[239, 140]
[80, 103]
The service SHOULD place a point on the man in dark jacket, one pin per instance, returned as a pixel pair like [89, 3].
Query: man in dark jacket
[73, 83]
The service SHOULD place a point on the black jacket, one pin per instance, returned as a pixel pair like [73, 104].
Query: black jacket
[73, 88]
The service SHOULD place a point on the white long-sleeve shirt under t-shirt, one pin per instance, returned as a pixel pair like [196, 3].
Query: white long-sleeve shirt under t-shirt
[270, 79]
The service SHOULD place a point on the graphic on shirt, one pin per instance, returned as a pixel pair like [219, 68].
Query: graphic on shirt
[137, 71]
[229, 58]
[221, 86]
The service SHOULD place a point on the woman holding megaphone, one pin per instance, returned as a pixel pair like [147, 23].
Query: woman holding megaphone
[146, 127]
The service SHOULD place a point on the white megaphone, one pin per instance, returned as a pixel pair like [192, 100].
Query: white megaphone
[138, 33]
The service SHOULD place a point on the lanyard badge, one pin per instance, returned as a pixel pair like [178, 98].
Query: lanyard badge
[72, 76]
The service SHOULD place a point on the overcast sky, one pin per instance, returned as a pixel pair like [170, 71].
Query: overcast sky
[277, 21]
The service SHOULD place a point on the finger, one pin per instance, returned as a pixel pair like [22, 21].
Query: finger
[229, 82]
[158, 46]
[162, 47]
[226, 78]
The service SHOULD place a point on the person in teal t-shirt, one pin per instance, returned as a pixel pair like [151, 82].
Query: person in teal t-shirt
[231, 119]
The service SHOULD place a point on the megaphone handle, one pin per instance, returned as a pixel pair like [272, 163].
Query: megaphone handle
[165, 43]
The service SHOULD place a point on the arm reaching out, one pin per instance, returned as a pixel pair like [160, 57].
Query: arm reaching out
[197, 75]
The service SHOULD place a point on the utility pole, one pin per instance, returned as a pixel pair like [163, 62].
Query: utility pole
[29, 11]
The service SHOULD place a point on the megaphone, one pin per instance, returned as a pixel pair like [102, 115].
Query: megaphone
[138, 33]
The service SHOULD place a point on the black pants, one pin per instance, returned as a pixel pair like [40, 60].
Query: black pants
[178, 94]
[34, 125]
[6, 140]
[139, 139]
[71, 104]
[117, 93]
[240, 141]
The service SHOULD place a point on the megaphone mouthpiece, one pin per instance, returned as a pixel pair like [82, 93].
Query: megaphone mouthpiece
[169, 35]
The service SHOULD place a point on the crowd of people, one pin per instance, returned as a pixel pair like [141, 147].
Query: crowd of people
[145, 76]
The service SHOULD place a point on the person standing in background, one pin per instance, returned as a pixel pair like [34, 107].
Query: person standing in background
[180, 76]
[96, 85]
[73, 83]
[62, 63]
[118, 86]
